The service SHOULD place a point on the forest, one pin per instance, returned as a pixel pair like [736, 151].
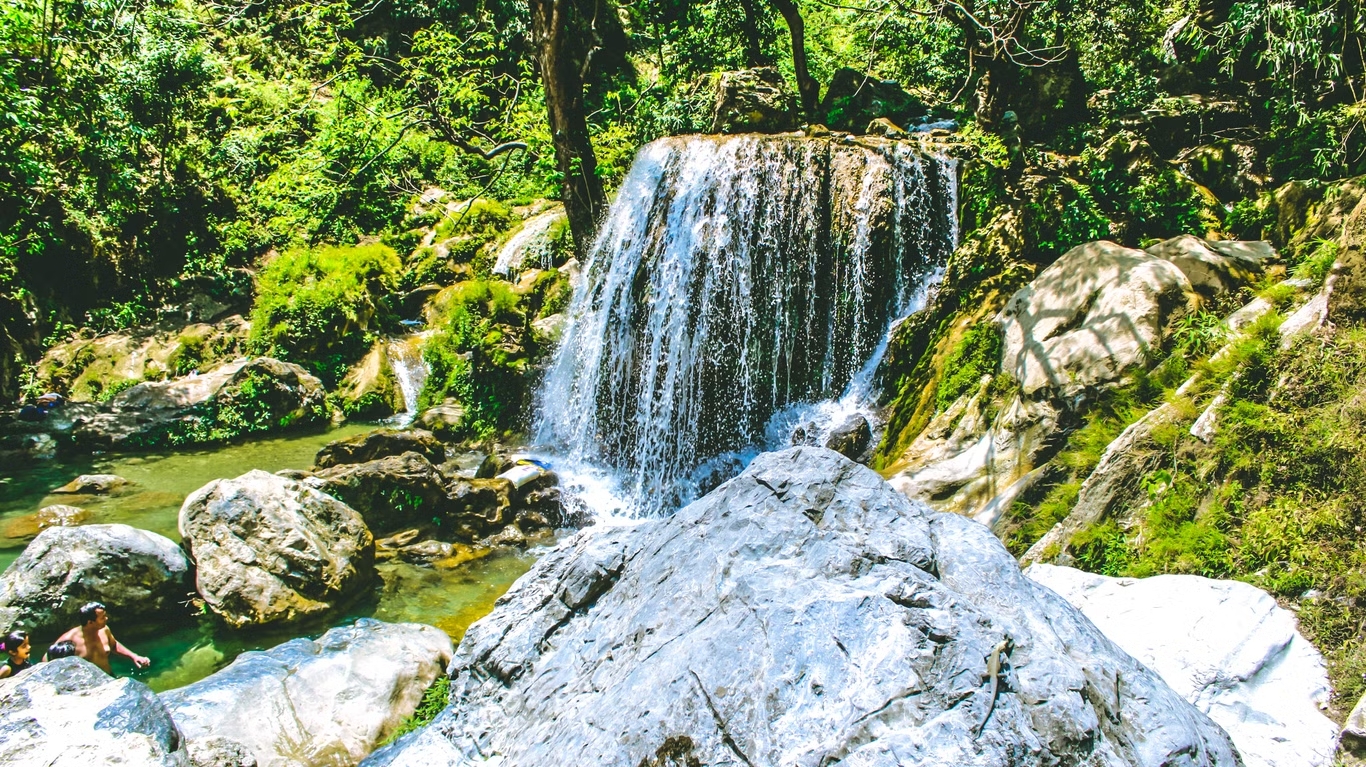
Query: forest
[150, 145]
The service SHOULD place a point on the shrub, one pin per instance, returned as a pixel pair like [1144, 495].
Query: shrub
[321, 307]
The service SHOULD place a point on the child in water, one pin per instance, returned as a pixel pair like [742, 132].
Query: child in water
[16, 646]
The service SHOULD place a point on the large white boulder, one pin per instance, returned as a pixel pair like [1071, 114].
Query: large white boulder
[69, 713]
[804, 613]
[269, 549]
[1094, 314]
[323, 702]
[138, 574]
[1225, 646]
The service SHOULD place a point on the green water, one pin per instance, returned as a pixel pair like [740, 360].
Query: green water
[184, 648]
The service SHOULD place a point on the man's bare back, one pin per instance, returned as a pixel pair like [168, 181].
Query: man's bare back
[95, 642]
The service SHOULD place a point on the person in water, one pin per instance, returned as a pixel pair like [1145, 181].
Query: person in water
[95, 642]
[61, 650]
[16, 646]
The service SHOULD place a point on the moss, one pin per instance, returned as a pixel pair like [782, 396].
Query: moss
[480, 218]
[321, 307]
[977, 354]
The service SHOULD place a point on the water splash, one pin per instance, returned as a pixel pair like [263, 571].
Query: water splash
[532, 237]
[735, 278]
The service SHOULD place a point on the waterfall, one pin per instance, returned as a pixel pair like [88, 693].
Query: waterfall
[527, 240]
[410, 370]
[733, 278]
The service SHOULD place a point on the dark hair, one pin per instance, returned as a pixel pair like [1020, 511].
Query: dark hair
[13, 640]
[64, 649]
[89, 610]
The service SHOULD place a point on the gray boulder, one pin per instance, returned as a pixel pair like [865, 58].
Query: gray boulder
[855, 100]
[69, 713]
[246, 395]
[804, 613]
[381, 443]
[753, 101]
[1096, 313]
[1215, 267]
[323, 702]
[137, 574]
[269, 549]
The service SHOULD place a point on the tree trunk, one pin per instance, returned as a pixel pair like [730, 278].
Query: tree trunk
[562, 76]
[807, 87]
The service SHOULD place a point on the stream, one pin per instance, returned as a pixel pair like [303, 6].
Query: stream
[187, 648]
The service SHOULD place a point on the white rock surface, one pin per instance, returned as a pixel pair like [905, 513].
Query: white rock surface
[69, 713]
[1225, 646]
[1090, 317]
[324, 702]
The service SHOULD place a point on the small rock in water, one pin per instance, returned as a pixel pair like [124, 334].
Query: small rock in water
[57, 515]
[380, 443]
[399, 540]
[93, 484]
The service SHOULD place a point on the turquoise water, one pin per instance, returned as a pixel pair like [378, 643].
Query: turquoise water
[185, 647]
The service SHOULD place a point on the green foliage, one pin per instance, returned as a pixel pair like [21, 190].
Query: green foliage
[481, 356]
[434, 699]
[1249, 219]
[254, 404]
[320, 307]
[1315, 266]
[977, 354]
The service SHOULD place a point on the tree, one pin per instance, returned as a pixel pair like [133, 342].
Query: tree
[807, 87]
[563, 39]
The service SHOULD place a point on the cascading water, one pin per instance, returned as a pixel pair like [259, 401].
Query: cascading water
[410, 370]
[734, 278]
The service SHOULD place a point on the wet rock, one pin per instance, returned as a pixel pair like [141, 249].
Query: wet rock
[1215, 267]
[885, 128]
[216, 751]
[137, 574]
[852, 438]
[92, 484]
[269, 549]
[753, 101]
[57, 515]
[390, 493]
[23, 449]
[381, 443]
[445, 420]
[480, 507]
[1226, 647]
[69, 712]
[854, 100]
[370, 390]
[1090, 317]
[803, 613]
[245, 396]
[329, 701]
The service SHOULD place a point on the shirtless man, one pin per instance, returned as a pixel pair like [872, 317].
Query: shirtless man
[95, 642]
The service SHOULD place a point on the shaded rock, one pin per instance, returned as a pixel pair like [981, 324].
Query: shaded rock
[1352, 739]
[1226, 647]
[69, 712]
[1225, 168]
[803, 613]
[1090, 317]
[445, 420]
[852, 438]
[245, 396]
[269, 549]
[57, 515]
[381, 443]
[217, 751]
[1177, 122]
[92, 484]
[390, 493]
[855, 101]
[22, 449]
[753, 101]
[1215, 267]
[328, 701]
[370, 390]
[480, 506]
[137, 574]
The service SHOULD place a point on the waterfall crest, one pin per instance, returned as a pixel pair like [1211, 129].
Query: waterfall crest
[732, 278]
